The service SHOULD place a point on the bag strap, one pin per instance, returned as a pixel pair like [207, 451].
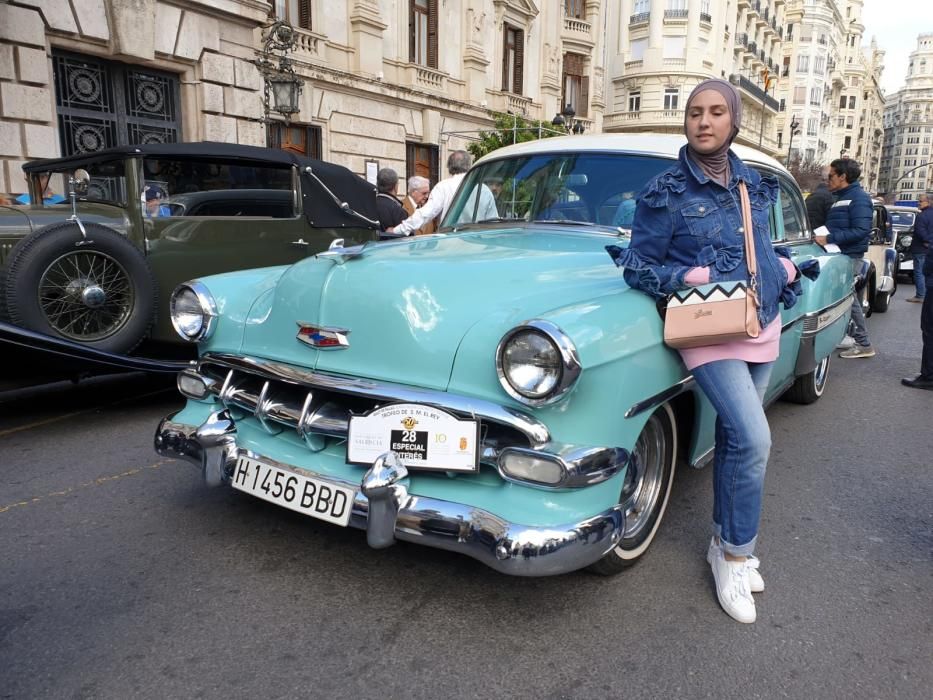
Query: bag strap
[750, 259]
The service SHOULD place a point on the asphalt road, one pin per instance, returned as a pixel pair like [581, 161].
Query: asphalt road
[121, 576]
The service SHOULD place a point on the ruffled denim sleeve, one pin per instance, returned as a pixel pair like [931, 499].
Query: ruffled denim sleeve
[721, 262]
[652, 229]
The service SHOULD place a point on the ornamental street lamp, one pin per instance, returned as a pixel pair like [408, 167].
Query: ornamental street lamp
[794, 129]
[281, 85]
[566, 120]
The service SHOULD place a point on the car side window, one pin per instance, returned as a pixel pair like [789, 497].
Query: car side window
[790, 221]
[215, 188]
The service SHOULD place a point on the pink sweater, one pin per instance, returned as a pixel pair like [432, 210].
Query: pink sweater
[764, 348]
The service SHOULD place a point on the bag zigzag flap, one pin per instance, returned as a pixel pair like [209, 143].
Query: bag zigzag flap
[708, 293]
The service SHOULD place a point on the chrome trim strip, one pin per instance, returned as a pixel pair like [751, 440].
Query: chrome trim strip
[816, 321]
[570, 361]
[660, 398]
[508, 547]
[536, 431]
[703, 459]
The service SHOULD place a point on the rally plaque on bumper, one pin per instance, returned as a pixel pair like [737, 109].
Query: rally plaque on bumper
[303, 494]
[422, 437]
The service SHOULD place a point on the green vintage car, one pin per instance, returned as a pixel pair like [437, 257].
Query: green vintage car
[94, 275]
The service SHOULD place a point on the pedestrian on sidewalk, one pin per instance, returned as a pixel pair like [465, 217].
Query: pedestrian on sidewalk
[387, 205]
[924, 380]
[849, 223]
[920, 245]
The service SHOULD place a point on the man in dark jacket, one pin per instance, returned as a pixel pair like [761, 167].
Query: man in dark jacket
[925, 379]
[820, 201]
[387, 206]
[920, 245]
[849, 224]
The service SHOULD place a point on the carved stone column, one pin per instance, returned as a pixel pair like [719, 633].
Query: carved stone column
[474, 56]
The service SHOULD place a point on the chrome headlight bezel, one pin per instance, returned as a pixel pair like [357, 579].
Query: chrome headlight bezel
[570, 367]
[208, 310]
[904, 240]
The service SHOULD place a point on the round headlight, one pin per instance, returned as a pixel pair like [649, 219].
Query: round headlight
[905, 241]
[537, 363]
[192, 311]
[531, 364]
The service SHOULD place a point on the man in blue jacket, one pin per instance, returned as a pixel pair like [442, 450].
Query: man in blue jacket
[849, 224]
[925, 379]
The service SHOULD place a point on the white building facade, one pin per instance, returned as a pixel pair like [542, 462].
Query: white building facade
[908, 129]
[659, 50]
[395, 82]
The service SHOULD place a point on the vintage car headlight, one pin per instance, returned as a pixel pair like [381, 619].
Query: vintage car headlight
[537, 363]
[904, 241]
[193, 311]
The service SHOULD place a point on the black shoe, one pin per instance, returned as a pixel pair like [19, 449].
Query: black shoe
[918, 382]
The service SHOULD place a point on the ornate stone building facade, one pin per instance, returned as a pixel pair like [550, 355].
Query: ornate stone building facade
[908, 129]
[398, 82]
[658, 50]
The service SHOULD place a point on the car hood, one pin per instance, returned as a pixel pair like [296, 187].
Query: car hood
[407, 305]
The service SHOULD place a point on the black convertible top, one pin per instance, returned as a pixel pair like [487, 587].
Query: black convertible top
[334, 197]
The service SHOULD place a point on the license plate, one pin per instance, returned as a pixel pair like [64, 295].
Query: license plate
[294, 491]
[423, 437]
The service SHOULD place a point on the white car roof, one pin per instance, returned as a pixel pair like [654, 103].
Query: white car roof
[664, 145]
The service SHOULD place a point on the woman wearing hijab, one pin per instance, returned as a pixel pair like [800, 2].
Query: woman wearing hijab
[688, 231]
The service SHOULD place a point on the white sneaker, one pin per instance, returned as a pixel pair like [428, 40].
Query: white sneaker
[755, 583]
[732, 589]
[846, 343]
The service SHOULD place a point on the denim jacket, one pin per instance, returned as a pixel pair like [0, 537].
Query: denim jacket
[685, 220]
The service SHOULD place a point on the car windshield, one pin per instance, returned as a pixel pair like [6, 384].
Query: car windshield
[902, 218]
[108, 182]
[595, 189]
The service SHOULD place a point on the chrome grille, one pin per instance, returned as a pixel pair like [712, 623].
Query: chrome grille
[319, 406]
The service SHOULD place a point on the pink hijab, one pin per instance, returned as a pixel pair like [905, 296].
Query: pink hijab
[715, 165]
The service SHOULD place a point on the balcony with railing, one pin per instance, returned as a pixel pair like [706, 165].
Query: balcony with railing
[675, 16]
[708, 19]
[758, 93]
[309, 46]
[644, 120]
[752, 47]
[578, 31]
[741, 41]
[639, 18]
[572, 24]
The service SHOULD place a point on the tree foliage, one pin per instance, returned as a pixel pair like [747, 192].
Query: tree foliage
[509, 129]
[806, 171]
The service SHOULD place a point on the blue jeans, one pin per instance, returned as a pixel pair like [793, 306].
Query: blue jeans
[919, 280]
[857, 328]
[743, 442]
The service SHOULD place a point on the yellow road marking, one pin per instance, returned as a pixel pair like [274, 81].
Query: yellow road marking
[96, 482]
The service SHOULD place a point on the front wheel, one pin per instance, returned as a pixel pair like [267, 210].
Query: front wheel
[881, 302]
[645, 492]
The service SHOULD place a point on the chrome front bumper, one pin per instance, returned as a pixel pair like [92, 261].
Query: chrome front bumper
[385, 509]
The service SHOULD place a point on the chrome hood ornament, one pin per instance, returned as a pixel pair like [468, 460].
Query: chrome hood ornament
[323, 337]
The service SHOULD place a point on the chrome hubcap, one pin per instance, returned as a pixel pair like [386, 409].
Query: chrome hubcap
[643, 488]
[93, 296]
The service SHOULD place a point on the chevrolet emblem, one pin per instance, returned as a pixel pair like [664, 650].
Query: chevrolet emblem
[323, 337]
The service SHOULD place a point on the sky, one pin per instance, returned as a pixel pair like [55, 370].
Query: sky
[895, 24]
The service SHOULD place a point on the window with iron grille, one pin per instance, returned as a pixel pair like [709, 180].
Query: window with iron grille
[422, 32]
[102, 103]
[513, 59]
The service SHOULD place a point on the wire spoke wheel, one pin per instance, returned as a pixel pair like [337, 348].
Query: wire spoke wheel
[86, 295]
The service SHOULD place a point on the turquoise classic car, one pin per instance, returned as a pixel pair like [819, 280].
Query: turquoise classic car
[494, 389]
